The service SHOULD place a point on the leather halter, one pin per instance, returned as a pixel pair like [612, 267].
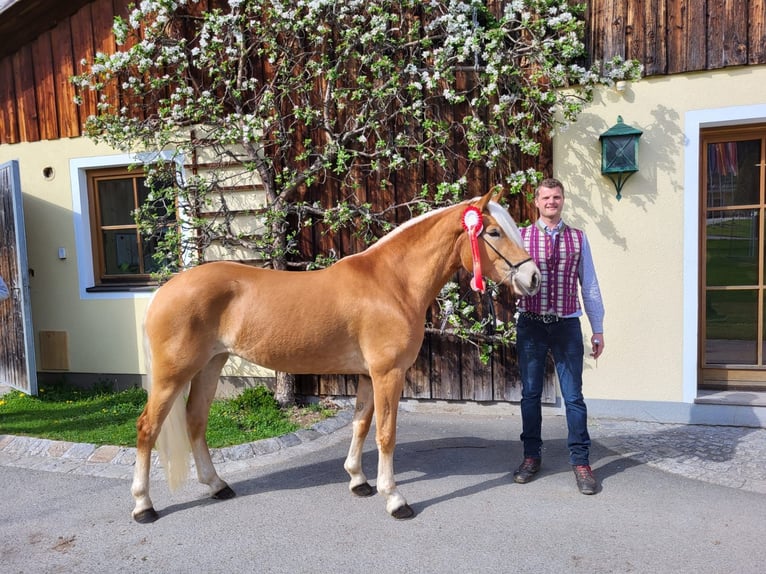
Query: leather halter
[513, 266]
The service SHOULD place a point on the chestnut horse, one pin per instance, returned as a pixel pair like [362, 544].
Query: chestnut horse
[363, 315]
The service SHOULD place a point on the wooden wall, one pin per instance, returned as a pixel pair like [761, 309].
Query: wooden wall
[36, 96]
[668, 36]
[676, 36]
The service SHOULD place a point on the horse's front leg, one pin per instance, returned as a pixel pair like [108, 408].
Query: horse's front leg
[387, 390]
[365, 406]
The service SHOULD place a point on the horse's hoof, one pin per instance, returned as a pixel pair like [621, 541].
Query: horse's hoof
[224, 494]
[363, 490]
[146, 516]
[403, 512]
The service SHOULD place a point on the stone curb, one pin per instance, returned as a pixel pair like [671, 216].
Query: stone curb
[117, 461]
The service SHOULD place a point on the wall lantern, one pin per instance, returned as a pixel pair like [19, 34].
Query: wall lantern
[619, 153]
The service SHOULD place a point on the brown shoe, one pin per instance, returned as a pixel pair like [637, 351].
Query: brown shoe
[586, 482]
[527, 470]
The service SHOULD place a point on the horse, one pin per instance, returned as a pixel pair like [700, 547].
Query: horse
[363, 315]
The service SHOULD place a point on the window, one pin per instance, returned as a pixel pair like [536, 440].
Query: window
[122, 257]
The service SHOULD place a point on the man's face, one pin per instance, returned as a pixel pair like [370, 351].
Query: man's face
[550, 202]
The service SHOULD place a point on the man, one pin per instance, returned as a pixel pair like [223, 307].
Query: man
[550, 321]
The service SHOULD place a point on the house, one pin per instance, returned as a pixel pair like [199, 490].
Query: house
[681, 256]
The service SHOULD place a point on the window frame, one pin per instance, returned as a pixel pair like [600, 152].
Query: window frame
[102, 277]
[82, 201]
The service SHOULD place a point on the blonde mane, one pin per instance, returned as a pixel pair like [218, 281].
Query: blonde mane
[501, 215]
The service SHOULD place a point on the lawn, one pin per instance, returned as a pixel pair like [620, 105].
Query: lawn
[100, 417]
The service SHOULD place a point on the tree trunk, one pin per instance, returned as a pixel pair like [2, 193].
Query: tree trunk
[284, 391]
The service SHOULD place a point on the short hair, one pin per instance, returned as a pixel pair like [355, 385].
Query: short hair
[551, 183]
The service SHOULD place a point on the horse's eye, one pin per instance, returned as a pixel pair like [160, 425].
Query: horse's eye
[493, 233]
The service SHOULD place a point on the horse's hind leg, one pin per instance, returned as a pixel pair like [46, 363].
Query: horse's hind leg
[365, 406]
[201, 396]
[160, 401]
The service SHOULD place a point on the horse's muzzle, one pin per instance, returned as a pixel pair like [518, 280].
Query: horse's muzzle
[526, 281]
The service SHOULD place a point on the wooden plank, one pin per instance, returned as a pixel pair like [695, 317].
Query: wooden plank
[655, 58]
[635, 32]
[606, 23]
[102, 15]
[676, 36]
[716, 32]
[594, 17]
[352, 382]
[757, 32]
[63, 70]
[24, 85]
[695, 35]
[121, 7]
[417, 383]
[307, 385]
[614, 29]
[736, 30]
[505, 373]
[476, 376]
[332, 385]
[22, 22]
[9, 118]
[45, 91]
[134, 103]
[83, 50]
[726, 34]
[445, 370]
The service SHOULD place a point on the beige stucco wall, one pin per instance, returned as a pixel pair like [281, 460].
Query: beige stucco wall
[644, 245]
[103, 334]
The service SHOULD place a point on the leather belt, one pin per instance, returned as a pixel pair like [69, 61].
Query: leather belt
[542, 318]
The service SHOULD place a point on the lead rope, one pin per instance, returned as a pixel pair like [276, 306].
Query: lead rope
[489, 295]
[490, 327]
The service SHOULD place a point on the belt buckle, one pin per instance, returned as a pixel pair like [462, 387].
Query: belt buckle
[548, 319]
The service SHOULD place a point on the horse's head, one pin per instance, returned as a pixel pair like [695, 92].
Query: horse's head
[501, 252]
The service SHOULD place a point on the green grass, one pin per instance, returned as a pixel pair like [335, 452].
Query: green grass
[96, 416]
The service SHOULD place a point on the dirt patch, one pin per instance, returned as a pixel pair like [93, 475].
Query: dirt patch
[305, 416]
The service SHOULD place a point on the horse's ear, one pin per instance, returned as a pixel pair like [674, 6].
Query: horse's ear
[499, 195]
[484, 200]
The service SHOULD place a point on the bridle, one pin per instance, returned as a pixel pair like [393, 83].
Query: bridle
[514, 266]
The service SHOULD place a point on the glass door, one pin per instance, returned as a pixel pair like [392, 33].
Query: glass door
[732, 314]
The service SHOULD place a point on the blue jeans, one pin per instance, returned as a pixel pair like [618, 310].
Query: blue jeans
[564, 339]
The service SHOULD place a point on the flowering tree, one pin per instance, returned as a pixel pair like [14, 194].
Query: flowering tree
[284, 95]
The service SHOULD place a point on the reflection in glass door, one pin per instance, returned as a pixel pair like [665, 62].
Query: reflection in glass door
[733, 320]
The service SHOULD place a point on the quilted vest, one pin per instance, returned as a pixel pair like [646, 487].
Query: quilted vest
[558, 262]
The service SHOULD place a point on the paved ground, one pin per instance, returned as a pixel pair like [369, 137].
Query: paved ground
[728, 456]
[674, 499]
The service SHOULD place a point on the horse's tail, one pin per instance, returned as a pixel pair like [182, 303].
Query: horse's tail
[172, 444]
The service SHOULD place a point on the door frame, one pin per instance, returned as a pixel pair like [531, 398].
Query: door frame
[694, 122]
